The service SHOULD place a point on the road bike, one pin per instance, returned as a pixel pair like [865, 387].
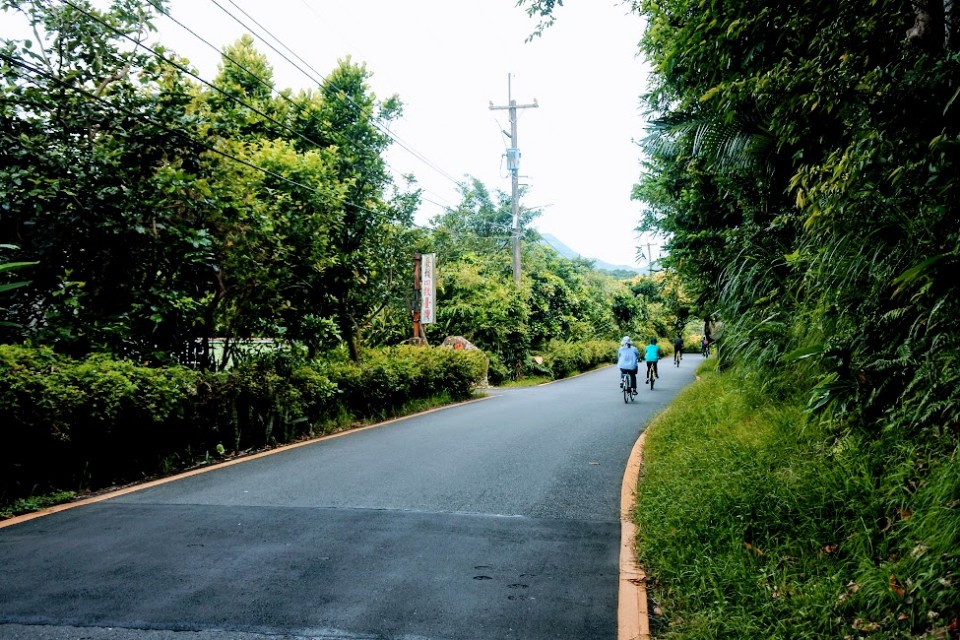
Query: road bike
[628, 393]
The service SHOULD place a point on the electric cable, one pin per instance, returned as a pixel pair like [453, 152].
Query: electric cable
[266, 85]
[230, 97]
[323, 80]
[184, 69]
[22, 64]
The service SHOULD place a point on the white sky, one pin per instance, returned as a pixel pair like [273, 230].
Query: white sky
[448, 60]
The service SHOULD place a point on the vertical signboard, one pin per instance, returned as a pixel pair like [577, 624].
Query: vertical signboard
[428, 289]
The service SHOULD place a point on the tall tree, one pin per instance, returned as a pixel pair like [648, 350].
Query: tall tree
[92, 137]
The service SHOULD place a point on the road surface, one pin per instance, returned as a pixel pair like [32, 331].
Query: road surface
[494, 519]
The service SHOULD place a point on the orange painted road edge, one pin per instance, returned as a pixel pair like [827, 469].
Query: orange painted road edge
[633, 619]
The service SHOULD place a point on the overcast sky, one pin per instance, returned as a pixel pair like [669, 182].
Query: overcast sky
[448, 60]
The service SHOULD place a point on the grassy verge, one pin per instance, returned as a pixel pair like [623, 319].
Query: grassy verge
[754, 522]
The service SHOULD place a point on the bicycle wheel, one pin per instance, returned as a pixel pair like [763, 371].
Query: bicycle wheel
[625, 385]
[650, 377]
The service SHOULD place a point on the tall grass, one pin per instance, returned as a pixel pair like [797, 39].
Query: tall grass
[757, 522]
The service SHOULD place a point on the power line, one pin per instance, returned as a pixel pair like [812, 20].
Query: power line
[256, 78]
[233, 98]
[322, 80]
[16, 62]
[190, 73]
[223, 54]
[229, 96]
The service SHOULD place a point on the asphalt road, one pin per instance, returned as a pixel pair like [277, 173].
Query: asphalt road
[495, 519]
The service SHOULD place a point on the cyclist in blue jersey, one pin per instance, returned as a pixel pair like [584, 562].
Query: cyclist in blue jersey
[628, 359]
[652, 356]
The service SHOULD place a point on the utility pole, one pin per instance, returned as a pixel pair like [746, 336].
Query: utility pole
[513, 164]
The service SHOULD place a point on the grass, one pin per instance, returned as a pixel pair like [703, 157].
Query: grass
[756, 522]
[35, 503]
[527, 381]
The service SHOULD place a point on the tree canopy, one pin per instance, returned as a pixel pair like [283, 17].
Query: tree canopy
[163, 214]
[163, 210]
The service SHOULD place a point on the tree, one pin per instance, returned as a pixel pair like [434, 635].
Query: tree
[163, 213]
[350, 118]
[90, 141]
[557, 299]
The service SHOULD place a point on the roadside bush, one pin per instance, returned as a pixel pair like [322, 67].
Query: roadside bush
[250, 406]
[388, 378]
[77, 425]
[498, 372]
[565, 359]
[67, 423]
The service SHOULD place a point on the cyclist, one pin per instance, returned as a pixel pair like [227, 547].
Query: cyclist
[628, 359]
[678, 349]
[652, 355]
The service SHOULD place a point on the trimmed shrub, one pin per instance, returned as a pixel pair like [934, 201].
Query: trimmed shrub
[70, 424]
[566, 359]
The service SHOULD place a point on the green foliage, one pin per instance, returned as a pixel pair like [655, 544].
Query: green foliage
[557, 301]
[803, 165]
[68, 423]
[162, 213]
[88, 423]
[6, 284]
[386, 379]
[565, 359]
[810, 214]
[35, 503]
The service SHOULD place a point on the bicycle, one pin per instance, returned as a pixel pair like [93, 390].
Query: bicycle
[677, 356]
[651, 373]
[628, 393]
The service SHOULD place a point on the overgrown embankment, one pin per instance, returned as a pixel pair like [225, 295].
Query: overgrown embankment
[758, 521]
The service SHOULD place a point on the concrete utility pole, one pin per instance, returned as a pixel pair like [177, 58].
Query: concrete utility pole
[513, 164]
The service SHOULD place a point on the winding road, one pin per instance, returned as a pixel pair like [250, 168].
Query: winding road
[494, 519]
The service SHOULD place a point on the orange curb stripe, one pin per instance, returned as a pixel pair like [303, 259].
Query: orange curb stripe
[633, 620]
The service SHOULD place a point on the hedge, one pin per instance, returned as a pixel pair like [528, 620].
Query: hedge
[87, 424]
[566, 359]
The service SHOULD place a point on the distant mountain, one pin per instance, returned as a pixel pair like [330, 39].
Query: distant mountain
[567, 252]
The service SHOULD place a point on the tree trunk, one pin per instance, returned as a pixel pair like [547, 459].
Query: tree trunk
[351, 333]
[950, 25]
[928, 30]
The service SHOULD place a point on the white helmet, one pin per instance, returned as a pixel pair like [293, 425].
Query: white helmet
[626, 340]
